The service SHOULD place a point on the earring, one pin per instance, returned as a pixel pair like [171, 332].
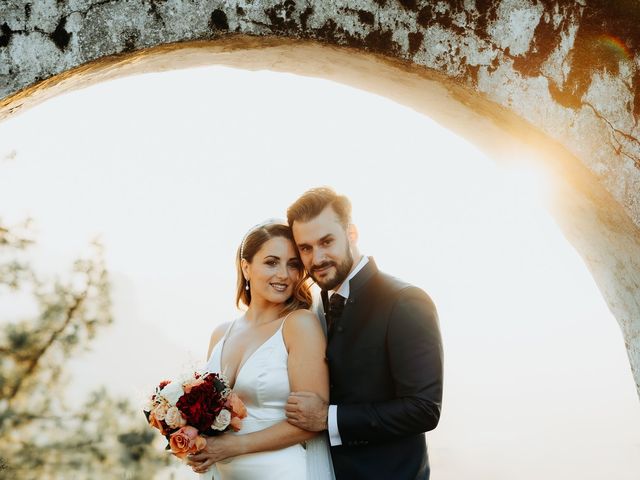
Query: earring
[246, 285]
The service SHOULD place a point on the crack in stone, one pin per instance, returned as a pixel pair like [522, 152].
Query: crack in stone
[635, 160]
[90, 7]
[60, 37]
[614, 130]
[626, 135]
[7, 33]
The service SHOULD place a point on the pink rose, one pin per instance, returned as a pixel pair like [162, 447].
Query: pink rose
[188, 386]
[155, 423]
[236, 406]
[236, 424]
[186, 441]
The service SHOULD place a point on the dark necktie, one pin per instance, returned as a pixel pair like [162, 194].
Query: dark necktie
[336, 305]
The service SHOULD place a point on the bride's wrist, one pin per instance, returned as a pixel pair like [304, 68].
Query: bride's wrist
[240, 445]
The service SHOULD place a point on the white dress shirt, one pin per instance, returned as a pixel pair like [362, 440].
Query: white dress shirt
[344, 290]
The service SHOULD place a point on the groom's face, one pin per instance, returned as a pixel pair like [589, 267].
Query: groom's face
[324, 248]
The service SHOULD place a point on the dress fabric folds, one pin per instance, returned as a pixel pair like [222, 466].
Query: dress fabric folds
[263, 385]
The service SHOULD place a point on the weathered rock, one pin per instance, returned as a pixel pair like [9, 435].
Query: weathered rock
[560, 77]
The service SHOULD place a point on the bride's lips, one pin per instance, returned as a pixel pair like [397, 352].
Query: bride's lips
[279, 287]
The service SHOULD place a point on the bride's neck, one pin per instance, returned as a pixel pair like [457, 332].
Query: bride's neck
[263, 312]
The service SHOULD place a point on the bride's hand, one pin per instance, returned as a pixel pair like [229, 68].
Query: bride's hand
[218, 448]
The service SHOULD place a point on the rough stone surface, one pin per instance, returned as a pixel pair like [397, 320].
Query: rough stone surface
[569, 69]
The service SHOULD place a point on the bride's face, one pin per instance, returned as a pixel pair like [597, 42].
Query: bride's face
[273, 271]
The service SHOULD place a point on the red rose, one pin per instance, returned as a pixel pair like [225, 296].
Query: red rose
[201, 404]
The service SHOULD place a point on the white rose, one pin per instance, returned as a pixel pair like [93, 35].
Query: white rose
[174, 418]
[160, 410]
[222, 420]
[172, 392]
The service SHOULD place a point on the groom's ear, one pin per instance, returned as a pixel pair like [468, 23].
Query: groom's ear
[352, 234]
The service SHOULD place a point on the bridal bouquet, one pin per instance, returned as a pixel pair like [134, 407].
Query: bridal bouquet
[187, 410]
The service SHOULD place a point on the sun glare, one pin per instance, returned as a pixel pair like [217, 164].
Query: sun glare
[531, 182]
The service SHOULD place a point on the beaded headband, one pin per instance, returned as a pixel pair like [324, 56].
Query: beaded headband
[269, 221]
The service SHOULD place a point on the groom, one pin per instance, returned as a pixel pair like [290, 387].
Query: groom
[384, 350]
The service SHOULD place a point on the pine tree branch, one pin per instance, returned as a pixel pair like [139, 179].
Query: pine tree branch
[78, 300]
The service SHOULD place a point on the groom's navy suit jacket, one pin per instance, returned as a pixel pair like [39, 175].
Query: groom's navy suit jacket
[385, 367]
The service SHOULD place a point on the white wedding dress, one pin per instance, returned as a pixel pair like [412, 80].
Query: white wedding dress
[263, 385]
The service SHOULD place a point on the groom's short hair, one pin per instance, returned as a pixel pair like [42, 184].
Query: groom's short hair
[314, 201]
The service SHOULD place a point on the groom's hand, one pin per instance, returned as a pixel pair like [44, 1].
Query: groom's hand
[307, 410]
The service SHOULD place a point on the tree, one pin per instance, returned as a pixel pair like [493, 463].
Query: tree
[40, 436]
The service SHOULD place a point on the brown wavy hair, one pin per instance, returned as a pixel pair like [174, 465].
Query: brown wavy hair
[312, 202]
[250, 245]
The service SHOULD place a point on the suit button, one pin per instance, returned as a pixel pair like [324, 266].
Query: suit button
[340, 329]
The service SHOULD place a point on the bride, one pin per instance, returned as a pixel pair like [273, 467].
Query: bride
[276, 347]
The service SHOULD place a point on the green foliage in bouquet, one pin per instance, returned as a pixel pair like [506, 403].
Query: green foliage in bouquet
[41, 437]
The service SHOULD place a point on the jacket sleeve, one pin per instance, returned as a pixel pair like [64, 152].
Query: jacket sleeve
[414, 349]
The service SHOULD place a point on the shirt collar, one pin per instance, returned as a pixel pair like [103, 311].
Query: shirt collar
[344, 287]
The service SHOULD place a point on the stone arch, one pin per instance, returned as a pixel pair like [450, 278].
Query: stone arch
[559, 79]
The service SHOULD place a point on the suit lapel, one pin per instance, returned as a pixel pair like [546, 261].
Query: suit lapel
[321, 310]
[362, 277]
[351, 309]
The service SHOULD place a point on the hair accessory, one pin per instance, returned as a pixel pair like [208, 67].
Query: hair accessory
[269, 221]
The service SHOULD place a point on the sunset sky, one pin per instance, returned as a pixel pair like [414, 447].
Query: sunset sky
[171, 169]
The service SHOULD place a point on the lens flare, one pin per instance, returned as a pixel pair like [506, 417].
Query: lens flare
[615, 46]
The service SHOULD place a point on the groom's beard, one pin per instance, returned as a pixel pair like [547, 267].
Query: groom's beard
[342, 271]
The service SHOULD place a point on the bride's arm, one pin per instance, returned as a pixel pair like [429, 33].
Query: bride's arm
[216, 336]
[307, 371]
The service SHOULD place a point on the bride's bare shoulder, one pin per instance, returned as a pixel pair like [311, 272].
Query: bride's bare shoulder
[303, 323]
[302, 316]
[216, 336]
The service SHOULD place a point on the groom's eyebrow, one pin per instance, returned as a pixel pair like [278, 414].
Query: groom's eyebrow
[328, 236]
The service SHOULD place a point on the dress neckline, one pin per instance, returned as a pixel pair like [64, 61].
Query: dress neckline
[242, 365]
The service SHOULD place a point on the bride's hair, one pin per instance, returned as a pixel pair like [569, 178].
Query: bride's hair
[251, 243]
